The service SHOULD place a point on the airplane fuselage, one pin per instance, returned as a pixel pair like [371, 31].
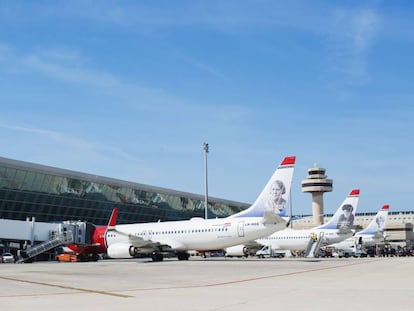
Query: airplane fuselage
[365, 240]
[196, 234]
[299, 239]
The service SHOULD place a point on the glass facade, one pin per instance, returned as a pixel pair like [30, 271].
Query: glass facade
[53, 194]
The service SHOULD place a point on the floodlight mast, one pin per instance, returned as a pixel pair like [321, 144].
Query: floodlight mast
[205, 148]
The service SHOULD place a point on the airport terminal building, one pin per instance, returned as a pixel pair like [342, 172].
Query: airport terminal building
[49, 194]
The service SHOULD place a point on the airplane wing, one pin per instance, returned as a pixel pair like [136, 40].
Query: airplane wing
[148, 246]
[140, 243]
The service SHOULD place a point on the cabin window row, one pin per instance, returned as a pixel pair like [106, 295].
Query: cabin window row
[183, 231]
[287, 237]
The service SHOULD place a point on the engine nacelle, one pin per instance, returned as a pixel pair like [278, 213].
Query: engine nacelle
[122, 250]
[237, 251]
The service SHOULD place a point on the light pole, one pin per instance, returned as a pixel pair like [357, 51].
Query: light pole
[205, 148]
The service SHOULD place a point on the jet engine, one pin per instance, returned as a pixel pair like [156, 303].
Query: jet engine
[122, 250]
[237, 251]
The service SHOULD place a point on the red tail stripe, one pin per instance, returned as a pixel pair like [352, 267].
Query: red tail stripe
[354, 192]
[289, 160]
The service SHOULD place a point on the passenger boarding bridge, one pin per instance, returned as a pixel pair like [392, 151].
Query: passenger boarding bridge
[34, 238]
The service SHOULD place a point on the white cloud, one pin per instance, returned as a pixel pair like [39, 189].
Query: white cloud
[365, 27]
[352, 35]
[70, 66]
[62, 144]
[77, 74]
[55, 136]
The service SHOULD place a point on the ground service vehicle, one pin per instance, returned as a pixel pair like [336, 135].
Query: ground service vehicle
[67, 257]
[267, 252]
[7, 258]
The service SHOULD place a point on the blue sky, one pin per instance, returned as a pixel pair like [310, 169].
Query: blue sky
[132, 89]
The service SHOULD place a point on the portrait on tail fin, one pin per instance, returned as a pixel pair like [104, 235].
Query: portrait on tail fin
[377, 225]
[275, 194]
[276, 202]
[380, 221]
[346, 219]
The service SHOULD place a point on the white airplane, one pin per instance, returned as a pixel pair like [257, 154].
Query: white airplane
[337, 229]
[371, 235]
[179, 237]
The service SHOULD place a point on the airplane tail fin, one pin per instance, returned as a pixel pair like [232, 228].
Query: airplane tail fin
[344, 217]
[275, 194]
[113, 218]
[377, 225]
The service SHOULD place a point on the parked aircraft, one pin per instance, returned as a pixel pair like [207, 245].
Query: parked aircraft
[178, 237]
[371, 235]
[337, 229]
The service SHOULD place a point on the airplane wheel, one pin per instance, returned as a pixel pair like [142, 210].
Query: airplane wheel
[157, 257]
[183, 256]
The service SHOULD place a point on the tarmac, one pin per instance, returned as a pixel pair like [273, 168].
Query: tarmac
[211, 284]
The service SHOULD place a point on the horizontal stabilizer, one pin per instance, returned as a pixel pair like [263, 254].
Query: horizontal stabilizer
[379, 235]
[344, 230]
[270, 218]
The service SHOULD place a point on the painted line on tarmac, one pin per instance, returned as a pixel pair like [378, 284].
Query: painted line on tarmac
[244, 280]
[284, 274]
[83, 290]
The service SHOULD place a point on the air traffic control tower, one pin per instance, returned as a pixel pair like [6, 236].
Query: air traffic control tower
[317, 184]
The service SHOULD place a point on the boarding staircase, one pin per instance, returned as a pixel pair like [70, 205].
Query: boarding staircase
[64, 238]
[314, 244]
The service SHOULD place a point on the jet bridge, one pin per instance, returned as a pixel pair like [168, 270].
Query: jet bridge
[32, 238]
